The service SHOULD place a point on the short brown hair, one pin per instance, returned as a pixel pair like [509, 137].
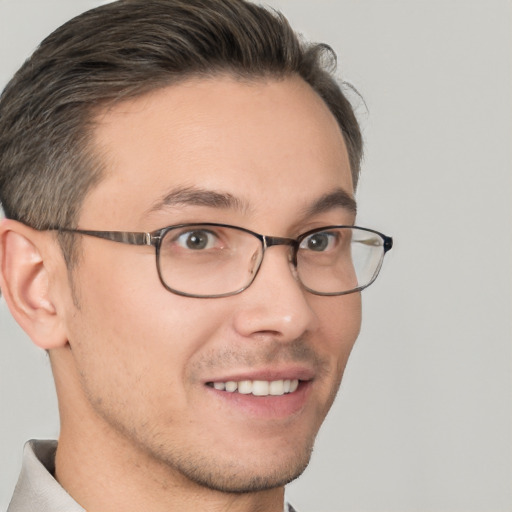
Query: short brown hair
[120, 51]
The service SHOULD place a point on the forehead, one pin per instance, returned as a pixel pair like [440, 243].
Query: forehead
[263, 142]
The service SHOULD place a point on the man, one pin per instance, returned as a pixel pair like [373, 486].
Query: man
[204, 136]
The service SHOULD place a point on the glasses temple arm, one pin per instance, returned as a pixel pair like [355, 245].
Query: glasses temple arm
[124, 237]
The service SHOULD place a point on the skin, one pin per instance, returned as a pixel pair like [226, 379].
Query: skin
[141, 430]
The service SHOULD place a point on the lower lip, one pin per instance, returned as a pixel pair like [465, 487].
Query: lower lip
[274, 407]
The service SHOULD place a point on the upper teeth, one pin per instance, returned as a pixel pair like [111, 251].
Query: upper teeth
[259, 387]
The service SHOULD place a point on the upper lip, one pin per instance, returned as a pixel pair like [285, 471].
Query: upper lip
[269, 374]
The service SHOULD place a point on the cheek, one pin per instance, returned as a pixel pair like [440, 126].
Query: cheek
[340, 323]
[340, 320]
[122, 298]
[132, 337]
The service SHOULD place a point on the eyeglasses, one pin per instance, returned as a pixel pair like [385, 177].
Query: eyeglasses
[218, 260]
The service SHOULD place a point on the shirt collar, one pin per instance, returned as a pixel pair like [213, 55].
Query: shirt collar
[37, 489]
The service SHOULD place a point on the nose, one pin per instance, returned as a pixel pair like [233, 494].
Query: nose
[275, 305]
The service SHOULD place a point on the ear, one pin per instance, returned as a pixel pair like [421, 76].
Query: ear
[25, 283]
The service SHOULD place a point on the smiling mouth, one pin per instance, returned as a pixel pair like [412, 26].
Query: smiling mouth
[257, 387]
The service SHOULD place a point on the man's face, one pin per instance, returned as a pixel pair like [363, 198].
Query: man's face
[146, 358]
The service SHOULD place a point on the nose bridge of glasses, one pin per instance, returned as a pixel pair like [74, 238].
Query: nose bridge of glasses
[269, 241]
[278, 240]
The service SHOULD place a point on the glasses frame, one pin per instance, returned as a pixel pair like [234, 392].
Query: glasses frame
[154, 238]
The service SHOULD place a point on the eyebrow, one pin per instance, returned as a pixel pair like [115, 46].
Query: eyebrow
[196, 196]
[338, 198]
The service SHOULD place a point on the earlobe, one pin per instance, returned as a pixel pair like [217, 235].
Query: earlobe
[24, 282]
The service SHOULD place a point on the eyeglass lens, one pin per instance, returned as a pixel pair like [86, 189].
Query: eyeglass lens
[208, 261]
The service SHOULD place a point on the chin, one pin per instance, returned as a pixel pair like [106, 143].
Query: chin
[257, 471]
[240, 479]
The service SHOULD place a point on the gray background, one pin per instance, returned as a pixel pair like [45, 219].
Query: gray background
[424, 418]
